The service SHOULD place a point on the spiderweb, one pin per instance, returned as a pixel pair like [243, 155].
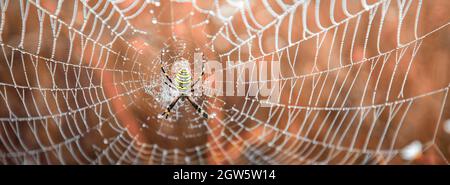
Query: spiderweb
[362, 82]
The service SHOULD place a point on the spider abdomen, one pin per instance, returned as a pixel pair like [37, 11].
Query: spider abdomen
[183, 79]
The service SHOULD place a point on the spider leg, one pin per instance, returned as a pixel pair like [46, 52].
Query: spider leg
[201, 75]
[193, 84]
[165, 74]
[169, 108]
[198, 108]
[168, 78]
[170, 85]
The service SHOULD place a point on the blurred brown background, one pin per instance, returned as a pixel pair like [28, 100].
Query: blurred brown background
[370, 82]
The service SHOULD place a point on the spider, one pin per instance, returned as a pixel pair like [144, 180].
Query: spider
[183, 84]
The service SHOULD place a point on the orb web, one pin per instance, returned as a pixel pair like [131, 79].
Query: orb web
[362, 82]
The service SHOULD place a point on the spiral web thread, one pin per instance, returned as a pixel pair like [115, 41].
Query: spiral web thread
[74, 75]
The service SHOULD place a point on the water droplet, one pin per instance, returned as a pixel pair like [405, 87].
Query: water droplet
[447, 126]
[412, 151]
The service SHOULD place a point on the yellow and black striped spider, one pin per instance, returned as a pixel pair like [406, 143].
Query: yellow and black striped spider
[183, 83]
